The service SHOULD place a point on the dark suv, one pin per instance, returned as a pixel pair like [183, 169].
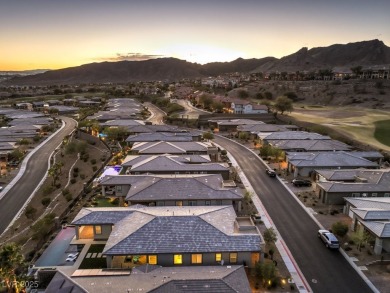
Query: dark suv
[270, 173]
[301, 182]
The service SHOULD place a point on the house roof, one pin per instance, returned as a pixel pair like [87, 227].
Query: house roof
[255, 128]
[181, 230]
[61, 283]
[237, 122]
[370, 214]
[379, 228]
[157, 279]
[152, 128]
[205, 187]
[165, 147]
[123, 122]
[161, 136]
[310, 145]
[371, 176]
[382, 184]
[171, 163]
[289, 135]
[96, 216]
[381, 203]
[328, 159]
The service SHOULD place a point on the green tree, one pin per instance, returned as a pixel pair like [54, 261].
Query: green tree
[217, 106]
[268, 95]
[243, 136]
[206, 101]
[361, 238]
[259, 96]
[340, 229]
[270, 236]
[116, 133]
[357, 70]
[283, 104]
[208, 135]
[266, 271]
[11, 262]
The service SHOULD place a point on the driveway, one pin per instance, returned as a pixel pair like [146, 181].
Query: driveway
[56, 253]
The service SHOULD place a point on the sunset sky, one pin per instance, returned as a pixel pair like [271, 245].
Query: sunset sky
[51, 34]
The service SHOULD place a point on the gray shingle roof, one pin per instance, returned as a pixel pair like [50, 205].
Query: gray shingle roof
[164, 147]
[203, 187]
[380, 229]
[95, 216]
[328, 159]
[261, 128]
[310, 145]
[181, 234]
[372, 214]
[288, 135]
[170, 163]
[382, 203]
[160, 136]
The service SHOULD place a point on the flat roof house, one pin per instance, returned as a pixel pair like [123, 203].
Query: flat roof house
[334, 185]
[371, 215]
[304, 164]
[173, 164]
[174, 190]
[171, 236]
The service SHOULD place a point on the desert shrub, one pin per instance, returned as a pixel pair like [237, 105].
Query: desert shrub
[82, 176]
[93, 161]
[73, 181]
[65, 191]
[94, 168]
[76, 169]
[30, 212]
[68, 197]
[45, 201]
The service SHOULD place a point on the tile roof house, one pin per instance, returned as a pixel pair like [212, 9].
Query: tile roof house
[163, 136]
[334, 185]
[371, 215]
[171, 236]
[173, 164]
[174, 190]
[179, 148]
[232, 124]
[304, 163]
[291, 135]
[156, 279]
[311, 145]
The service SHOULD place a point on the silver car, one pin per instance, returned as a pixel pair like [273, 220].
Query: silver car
[329, 239]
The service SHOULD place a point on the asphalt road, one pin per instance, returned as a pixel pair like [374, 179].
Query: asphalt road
[36, 168]
[325, 270]
[158, 114]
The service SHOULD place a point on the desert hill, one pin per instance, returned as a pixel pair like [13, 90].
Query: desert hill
[364, 53]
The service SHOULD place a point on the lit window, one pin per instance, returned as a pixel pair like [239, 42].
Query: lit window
[177, 259]
[152, 259]
[233, 257]
[98, 230]
[179, 203]
[218, 256]
[196, 258]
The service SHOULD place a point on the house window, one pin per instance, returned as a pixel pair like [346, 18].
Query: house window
[179, 203]
[233, 257]
[355, 194]
[192, 203]
[160, 203]
[98, 230]
[177, 259]
[196, 258]
[119, 188]
[374, 194]
[218, 256]
[386, 195]
[152, 259]
[208, 203]
[219, 202]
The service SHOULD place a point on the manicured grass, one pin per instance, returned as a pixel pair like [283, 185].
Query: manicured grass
[104, 202]
[96, 248]
[382, 131]
[94, 263]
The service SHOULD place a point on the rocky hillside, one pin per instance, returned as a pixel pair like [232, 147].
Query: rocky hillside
[364, 53]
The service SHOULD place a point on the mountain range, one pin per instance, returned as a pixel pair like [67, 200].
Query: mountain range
[365, 53]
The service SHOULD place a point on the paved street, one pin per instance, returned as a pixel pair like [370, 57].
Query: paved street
[36, 168]
[325, 270]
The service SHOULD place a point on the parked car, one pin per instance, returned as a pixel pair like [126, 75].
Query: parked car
[71, 257]
[329, 239]
[270, 173]
[256, 218]
[301, 182]
[73, 254]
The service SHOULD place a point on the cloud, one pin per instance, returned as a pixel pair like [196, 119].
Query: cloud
[130, 57]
